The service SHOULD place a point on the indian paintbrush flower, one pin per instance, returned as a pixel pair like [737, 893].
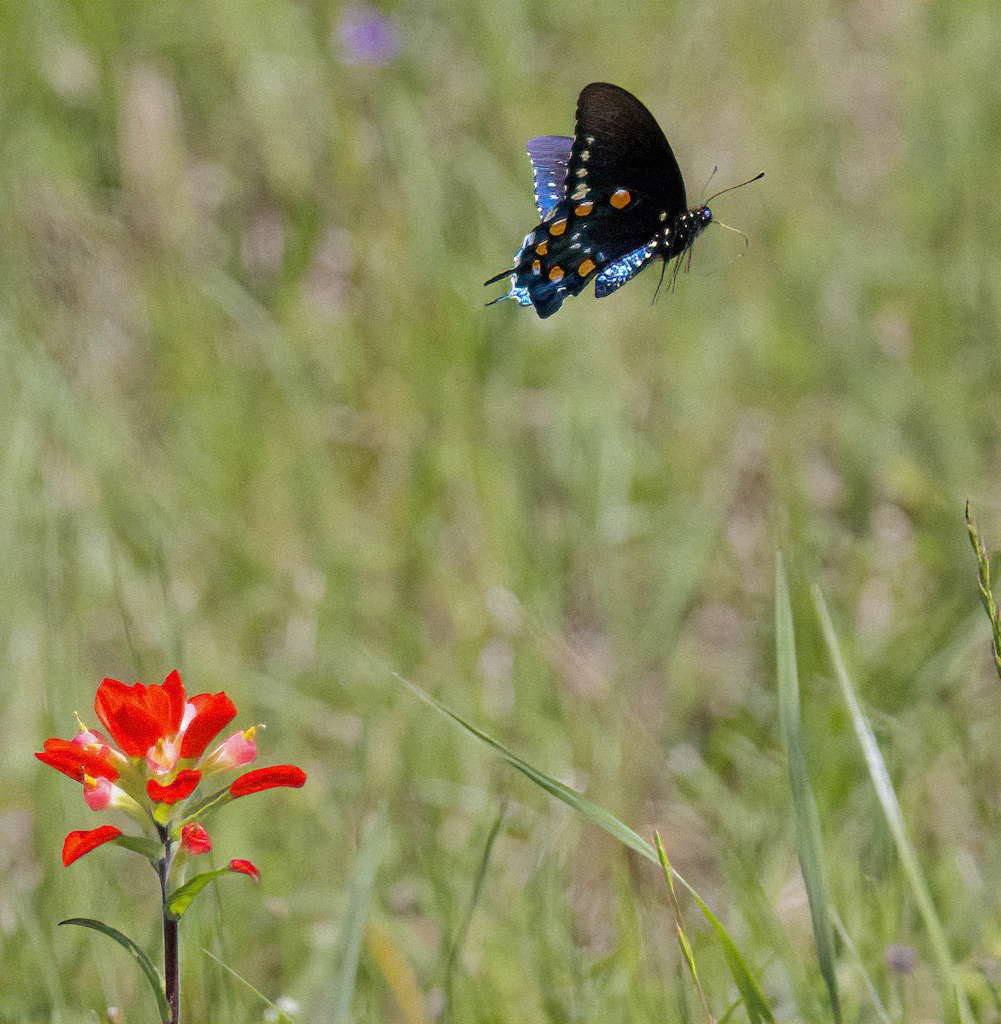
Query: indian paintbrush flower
[156, 751]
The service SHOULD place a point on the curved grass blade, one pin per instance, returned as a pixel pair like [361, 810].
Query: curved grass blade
[275, 1009]
[809, 844]
[754, 1001]
[758, 1011]
[955, 1007]
[152, 974]
[595, 814]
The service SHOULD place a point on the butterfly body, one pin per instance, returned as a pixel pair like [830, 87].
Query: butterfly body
[612, 199]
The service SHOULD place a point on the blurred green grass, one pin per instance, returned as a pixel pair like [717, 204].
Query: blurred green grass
[256, 425]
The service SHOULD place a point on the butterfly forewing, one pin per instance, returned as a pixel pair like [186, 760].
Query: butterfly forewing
[618, 144]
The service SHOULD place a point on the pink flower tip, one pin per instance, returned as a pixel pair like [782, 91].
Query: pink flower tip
[77, 844]
[195, 840]
[267, 778]
[97, 793]
[245, 868]
[239, 749]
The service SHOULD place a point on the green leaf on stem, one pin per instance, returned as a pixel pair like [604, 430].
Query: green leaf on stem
[151, 849]
[201, 809]
[180, 899]
[152, 974]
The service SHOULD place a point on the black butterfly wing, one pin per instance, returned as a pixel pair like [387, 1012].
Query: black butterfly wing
[618, 144]
[550, 155]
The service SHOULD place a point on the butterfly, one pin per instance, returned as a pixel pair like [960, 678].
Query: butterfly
[611, 199]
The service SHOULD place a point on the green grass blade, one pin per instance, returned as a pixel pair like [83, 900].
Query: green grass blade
[481, 874]
[758, 1011]
[954, 1005]
[595, 814]
[846, 941]
[809, 844]
[353, 927]
[985, 585]
[686, 946]
[152, 974]
[754, 1001]
[275, 1009]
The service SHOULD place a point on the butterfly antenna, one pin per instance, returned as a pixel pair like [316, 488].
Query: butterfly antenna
[731, 188]
[705, 187]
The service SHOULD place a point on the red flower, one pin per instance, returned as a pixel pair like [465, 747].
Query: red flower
[137, 716]
[267, 778]
[152, 760]
[180, 789]
[77, 844]
[76, 760]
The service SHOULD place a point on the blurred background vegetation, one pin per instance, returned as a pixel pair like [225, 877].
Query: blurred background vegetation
[255, 424]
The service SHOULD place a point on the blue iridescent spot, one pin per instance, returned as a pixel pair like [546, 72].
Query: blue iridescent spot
[616, 274]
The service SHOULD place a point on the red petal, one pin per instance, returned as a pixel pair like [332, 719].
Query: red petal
[246, 868]
[267, 778]
[214, 712]
[73, 760]
[182, 787]
[137, 716]
[194, 839]
[77, 844]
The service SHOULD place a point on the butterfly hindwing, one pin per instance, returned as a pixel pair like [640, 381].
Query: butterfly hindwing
[549, 155]
[578, 240]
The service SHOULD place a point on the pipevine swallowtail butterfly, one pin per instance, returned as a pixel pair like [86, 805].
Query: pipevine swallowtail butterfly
[611, 199]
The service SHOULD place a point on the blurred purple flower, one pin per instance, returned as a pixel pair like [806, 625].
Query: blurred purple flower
[900, 959]
[365, 36]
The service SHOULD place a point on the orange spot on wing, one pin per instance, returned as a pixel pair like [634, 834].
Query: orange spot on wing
[542, 248]
[558, 226]
[620, 198]
[584, 209]
[585, 268]
[537, 267]
[556, 274]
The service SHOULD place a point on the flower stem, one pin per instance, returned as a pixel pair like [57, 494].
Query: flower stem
[172, 967]
[171, 948]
